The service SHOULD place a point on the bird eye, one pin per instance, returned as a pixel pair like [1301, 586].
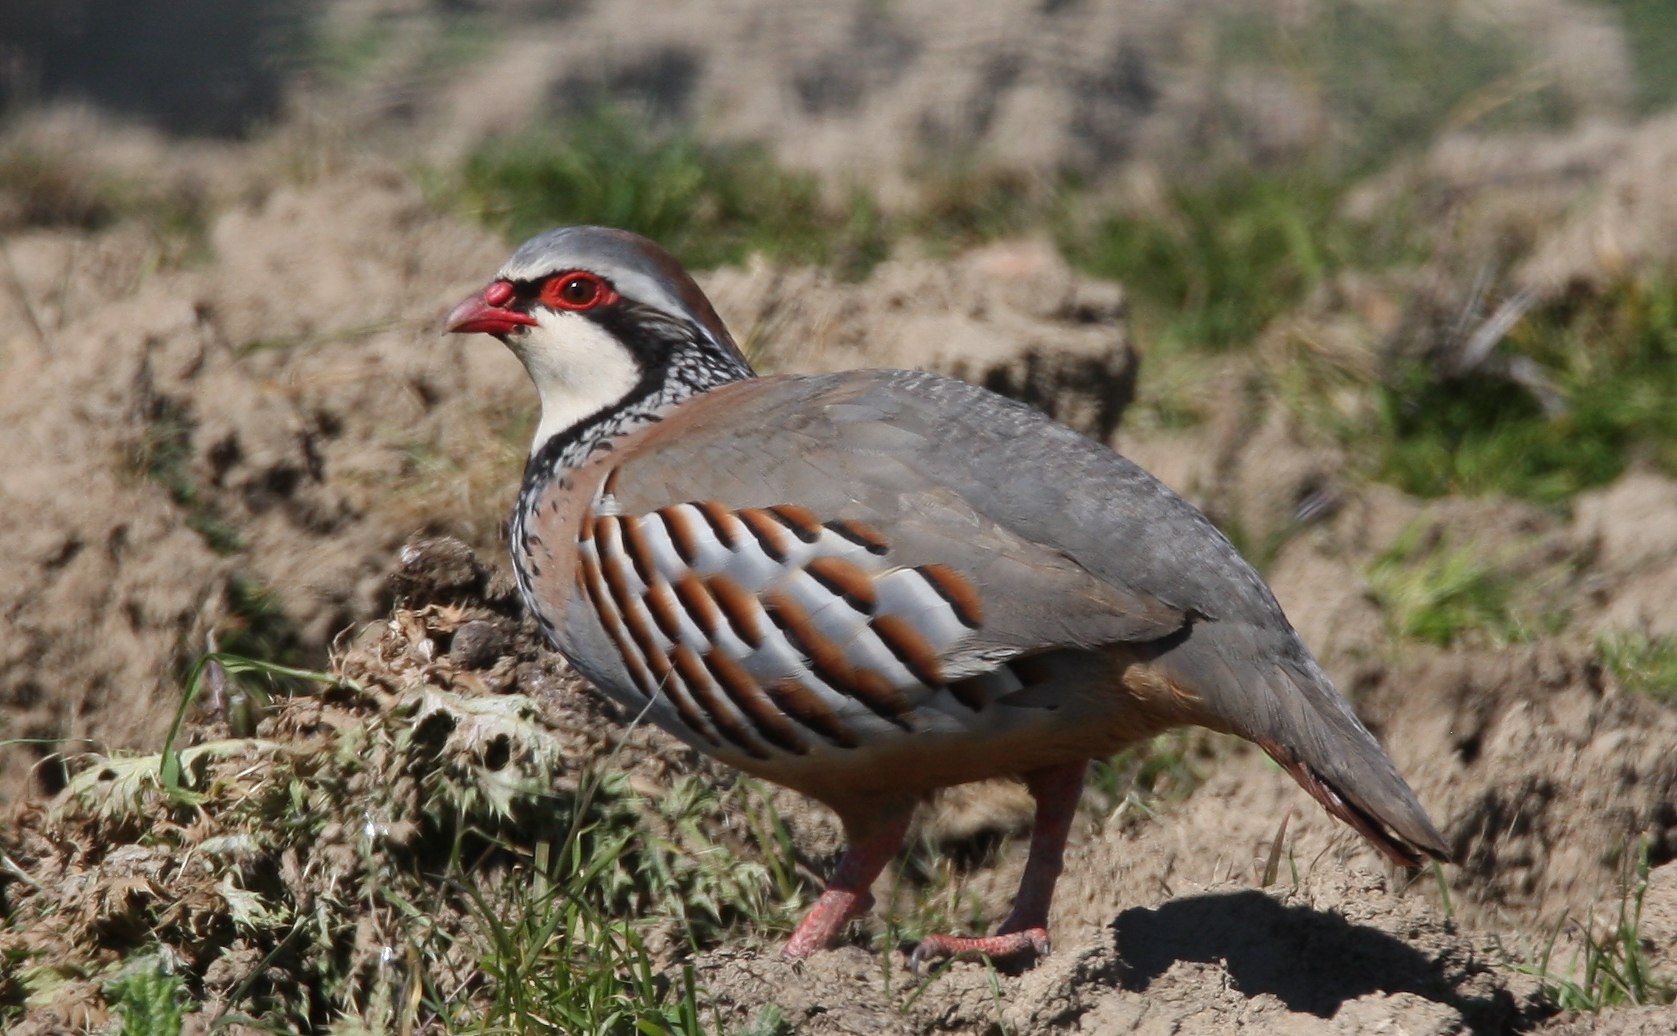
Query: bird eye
[575, 291]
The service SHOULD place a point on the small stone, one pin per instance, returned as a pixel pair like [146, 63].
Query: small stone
[477, 645]
[437, 569]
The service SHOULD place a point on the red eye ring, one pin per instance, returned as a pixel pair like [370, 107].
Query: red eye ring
[576, 291]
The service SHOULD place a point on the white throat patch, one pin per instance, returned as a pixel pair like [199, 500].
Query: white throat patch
[579, 369]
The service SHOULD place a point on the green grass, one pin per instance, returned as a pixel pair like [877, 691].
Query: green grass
[770, 1021]
[1220, 261]
[708, 204]
[961, 204]
[1609, 360]
[1650, 28]
[1438, 593]
[712, 204]
[1610, 968]
[556, 964]
[150, 999]
[565, 936]
[1390, 76]
[1211, 267]
[1642, 664]
[1223, 253]
[225, 681]
[1161, 770]
[930, 893]
[402, 857]
[711, 888]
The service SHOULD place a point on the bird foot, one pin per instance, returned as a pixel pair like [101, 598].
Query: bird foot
[820, 928]
[1014, 950]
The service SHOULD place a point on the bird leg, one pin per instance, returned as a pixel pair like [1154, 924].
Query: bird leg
[1024, 935]
[847, 893]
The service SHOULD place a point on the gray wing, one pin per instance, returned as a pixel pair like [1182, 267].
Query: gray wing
[1027, 512]
[1001, 534]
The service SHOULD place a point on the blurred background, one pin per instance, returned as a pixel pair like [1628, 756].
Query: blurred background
[1385, 286]
[1460, 178]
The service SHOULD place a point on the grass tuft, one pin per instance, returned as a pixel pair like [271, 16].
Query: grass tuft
[770, 1021]
[404, 859]
[1220, 255]
[557, 964]
[713, 204]
[1609, 969]
[1600, 371]
[151, 1000]
[1216, 263]
[1138, 778]
[1439, 594]
[708, 204]
[1642, 664]
[930, 893]
[1390, 75]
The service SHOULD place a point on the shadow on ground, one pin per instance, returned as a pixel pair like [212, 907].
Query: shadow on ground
[1314, 961]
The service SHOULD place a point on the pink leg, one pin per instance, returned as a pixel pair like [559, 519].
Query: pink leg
[847, 893]
[1024, 935]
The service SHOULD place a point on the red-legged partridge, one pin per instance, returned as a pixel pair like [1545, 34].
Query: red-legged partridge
[869, 585]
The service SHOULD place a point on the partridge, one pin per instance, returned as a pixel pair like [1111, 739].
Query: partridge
[869, 585]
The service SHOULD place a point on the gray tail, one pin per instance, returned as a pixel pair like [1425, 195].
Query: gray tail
[1334, 758]
[1282, 701]
[1407, 836]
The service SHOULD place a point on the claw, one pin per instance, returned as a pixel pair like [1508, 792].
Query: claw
[1014, 950]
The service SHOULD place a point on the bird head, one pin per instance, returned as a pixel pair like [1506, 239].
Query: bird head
[602, 319]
